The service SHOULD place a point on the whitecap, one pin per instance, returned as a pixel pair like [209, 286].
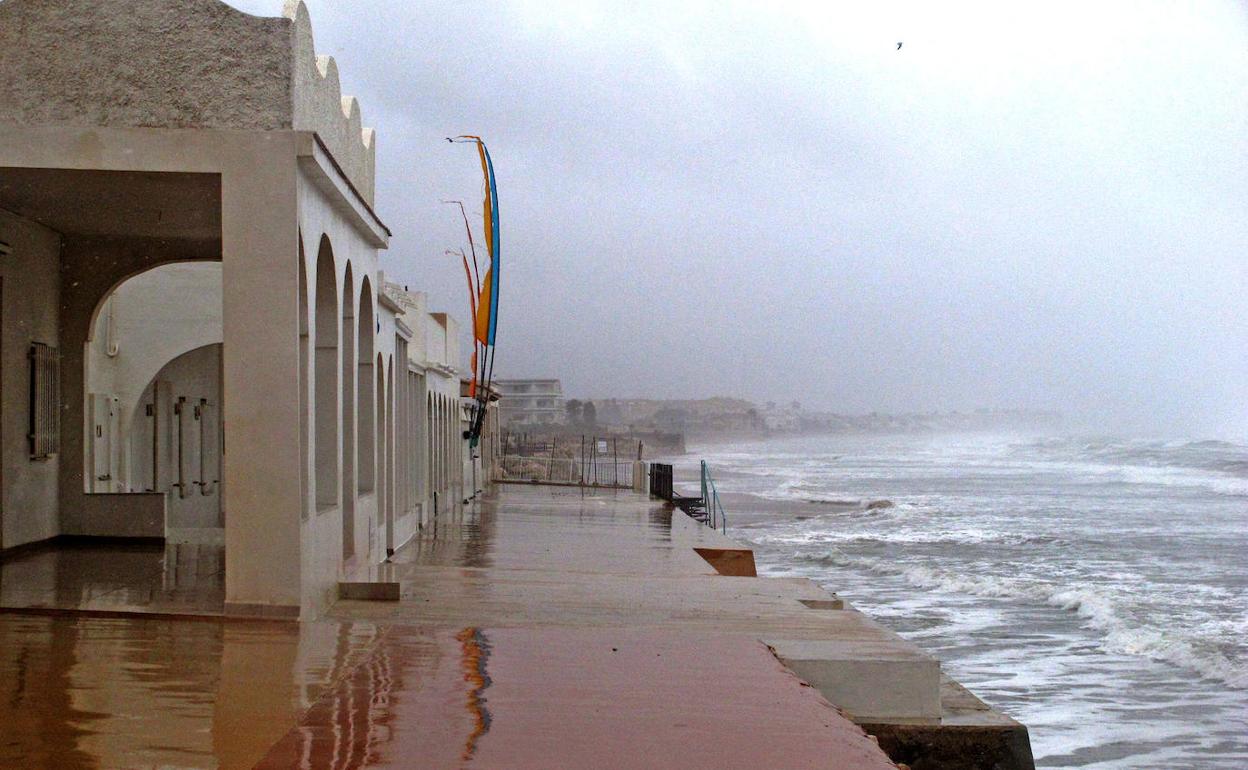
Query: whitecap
[1100, 609]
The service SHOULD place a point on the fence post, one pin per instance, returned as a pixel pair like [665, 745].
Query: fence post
[705, 499]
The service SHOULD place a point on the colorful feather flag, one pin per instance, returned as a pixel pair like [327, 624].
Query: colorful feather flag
[490, 222]
[483, 297]
[481, 316]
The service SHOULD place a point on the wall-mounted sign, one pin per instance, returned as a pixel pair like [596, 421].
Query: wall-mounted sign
[5, 249]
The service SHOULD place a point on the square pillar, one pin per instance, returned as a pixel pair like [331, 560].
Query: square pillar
[261, 406]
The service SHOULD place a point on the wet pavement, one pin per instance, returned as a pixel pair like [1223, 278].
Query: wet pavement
[542, 628]
[91, 692]
[125, 578]
[571, 698]
[560, 557]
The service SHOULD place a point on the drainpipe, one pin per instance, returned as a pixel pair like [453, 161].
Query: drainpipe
[111, 347]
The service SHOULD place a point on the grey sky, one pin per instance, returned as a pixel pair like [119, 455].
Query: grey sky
[1034, 206]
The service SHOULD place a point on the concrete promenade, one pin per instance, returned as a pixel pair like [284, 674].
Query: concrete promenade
[539, 628]
[576, 571]
[598, 637]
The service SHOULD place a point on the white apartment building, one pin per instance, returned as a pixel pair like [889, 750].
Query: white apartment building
[530, 403]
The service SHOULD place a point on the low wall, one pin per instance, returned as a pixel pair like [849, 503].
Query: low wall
[135, 514]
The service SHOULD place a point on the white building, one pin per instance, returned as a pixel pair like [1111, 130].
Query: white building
[782, 418]
[532, 403]
[196, 339]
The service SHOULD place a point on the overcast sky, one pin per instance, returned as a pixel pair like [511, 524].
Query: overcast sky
[1029, 205]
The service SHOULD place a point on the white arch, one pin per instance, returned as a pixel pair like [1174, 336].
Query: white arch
[325, 376]
[368, 407]
[146, 321]
[305, 412]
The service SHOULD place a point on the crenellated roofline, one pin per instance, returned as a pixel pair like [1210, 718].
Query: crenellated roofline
[319, 105]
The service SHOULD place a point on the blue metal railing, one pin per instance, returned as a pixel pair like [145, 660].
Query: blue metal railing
[706, 509]
[715, 516]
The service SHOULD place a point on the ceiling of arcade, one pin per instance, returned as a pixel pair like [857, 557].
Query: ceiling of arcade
[116, 204]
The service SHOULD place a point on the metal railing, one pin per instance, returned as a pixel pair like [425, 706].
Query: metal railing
[707, 509]
[715, 516]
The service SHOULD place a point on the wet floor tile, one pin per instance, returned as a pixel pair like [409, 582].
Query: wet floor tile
[93, 692]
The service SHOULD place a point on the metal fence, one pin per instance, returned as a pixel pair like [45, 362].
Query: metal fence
[661, 481]
[588, 461]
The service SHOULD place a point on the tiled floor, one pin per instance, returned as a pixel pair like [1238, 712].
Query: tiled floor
[129, 578]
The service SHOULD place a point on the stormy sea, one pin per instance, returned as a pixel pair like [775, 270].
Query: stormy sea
[1094, 589]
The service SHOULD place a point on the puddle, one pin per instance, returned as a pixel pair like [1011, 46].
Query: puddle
[78, 692]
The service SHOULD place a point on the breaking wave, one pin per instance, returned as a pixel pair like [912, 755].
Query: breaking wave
[969, 536]
[1100, 610]
[1219, 466]
[1109, 572]
[798, 490]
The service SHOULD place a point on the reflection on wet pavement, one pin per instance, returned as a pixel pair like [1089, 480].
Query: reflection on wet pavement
[85, 692]
[570, 698]
[539, 629]
[113, 577]
[88, 692]
[476, 656]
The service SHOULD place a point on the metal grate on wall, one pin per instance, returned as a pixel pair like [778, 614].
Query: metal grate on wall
[45, 413]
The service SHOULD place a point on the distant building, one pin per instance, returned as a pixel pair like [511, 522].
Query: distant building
[785, 418]
[530, 403]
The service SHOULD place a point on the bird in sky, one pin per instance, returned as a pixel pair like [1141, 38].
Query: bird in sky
[899, 46]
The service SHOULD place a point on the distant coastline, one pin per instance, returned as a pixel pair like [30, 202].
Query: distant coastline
[670, 422]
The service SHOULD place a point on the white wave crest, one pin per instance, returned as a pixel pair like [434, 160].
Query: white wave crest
[1189, 650]
[1219, 483]
[905, 536]
[798, 488]
[1102, 612]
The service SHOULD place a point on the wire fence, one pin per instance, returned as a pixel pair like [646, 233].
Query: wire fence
[588, 461]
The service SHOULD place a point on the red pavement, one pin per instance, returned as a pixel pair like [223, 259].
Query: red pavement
[571, 698]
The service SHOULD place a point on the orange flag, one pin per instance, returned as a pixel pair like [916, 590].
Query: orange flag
[482, 330]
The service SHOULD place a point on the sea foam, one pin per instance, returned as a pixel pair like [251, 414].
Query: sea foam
[1100, 610]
